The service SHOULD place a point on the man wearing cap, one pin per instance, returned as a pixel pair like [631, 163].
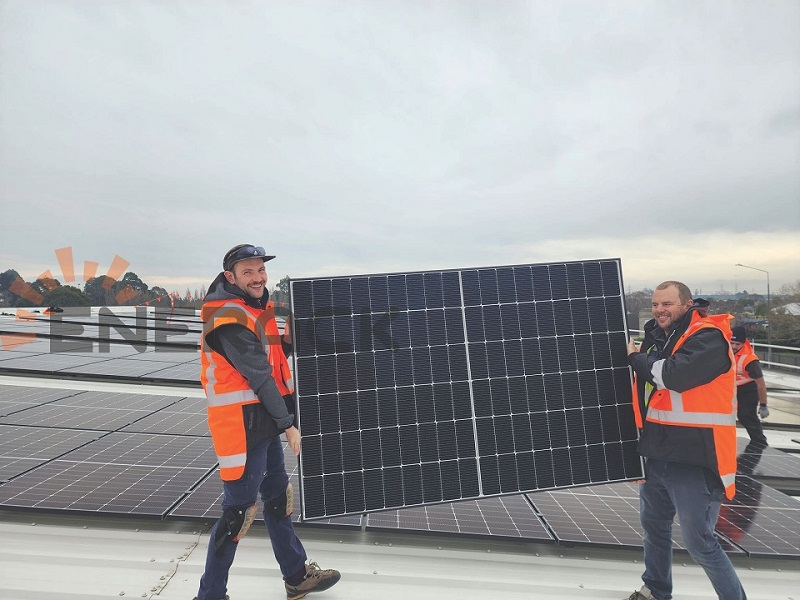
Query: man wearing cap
[248, 387]
[751, 391]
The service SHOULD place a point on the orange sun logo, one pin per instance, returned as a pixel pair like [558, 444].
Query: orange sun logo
[66, 262]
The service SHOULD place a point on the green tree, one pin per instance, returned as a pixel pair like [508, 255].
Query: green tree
[98, 291]
[65, 295]
[283, 285]
[132, 279]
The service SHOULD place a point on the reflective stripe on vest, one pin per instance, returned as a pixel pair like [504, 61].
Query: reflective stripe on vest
[235, 460]
[741, 363]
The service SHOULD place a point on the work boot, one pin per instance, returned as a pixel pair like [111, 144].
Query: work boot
[316, 580]
[642, 594]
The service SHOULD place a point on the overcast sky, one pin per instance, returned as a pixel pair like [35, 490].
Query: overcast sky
[375, 136]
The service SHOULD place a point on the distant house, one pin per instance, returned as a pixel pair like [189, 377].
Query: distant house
[793, 308]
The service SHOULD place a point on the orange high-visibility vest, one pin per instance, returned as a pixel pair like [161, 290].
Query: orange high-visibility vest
[744, 357]
[712, 405]
[227, 390]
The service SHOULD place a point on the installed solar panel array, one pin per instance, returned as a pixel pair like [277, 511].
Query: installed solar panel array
[420, 388]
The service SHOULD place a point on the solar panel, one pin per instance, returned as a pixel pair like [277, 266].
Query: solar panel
[73, 417]
[606, 515]
[11, 467]
[765, 462]
[762, 531]
[150, 450]
[419, 388]
[16, 398]
[23, 448]
[41, 442]
[99, 487]
[175, 423]
[507, 516]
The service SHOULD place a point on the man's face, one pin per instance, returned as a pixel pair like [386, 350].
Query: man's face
[250, 276]
[668, 308]
[736, 346]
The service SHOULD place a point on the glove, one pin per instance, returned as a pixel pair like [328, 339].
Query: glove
[763, 411]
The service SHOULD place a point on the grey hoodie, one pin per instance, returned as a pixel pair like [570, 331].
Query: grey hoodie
[242, 349]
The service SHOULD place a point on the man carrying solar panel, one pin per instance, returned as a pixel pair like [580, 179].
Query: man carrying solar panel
[684, 380]
[248, 387]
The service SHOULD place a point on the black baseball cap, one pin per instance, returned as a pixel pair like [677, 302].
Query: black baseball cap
[739, 334]
[243, 252]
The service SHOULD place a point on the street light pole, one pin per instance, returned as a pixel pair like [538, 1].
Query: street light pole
[769, 329]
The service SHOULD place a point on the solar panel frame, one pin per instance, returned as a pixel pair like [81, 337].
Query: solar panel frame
[441, 334]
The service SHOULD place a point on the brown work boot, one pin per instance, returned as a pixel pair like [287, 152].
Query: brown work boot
[316, 580]
[642, 594]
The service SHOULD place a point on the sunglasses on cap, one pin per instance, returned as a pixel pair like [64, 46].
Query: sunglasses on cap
[243, 252]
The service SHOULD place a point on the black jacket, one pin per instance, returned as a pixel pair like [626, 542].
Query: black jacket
[701, 359]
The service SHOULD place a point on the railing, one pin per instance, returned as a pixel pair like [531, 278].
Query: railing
[780, 357]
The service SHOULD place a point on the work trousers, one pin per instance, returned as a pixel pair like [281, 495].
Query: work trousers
[264, 475]
[695, 494]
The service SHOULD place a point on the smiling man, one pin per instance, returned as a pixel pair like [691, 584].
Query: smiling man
[248, 387]
[685, 409]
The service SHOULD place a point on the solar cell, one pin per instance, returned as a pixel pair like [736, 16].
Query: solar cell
[421, 388]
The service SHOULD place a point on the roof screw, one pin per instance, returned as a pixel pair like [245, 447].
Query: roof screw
[153, 589]
[489, 550]
[537, 554]
[374, 572]
[376, 543]
[340, 541]
[171, 560]
[581, 586]
[560, 556]
[585, 558]
[122, 593]
[144, 595]
[152, 560]
[390, 544]
[163, 577]
[86, 527]
[33, 524]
